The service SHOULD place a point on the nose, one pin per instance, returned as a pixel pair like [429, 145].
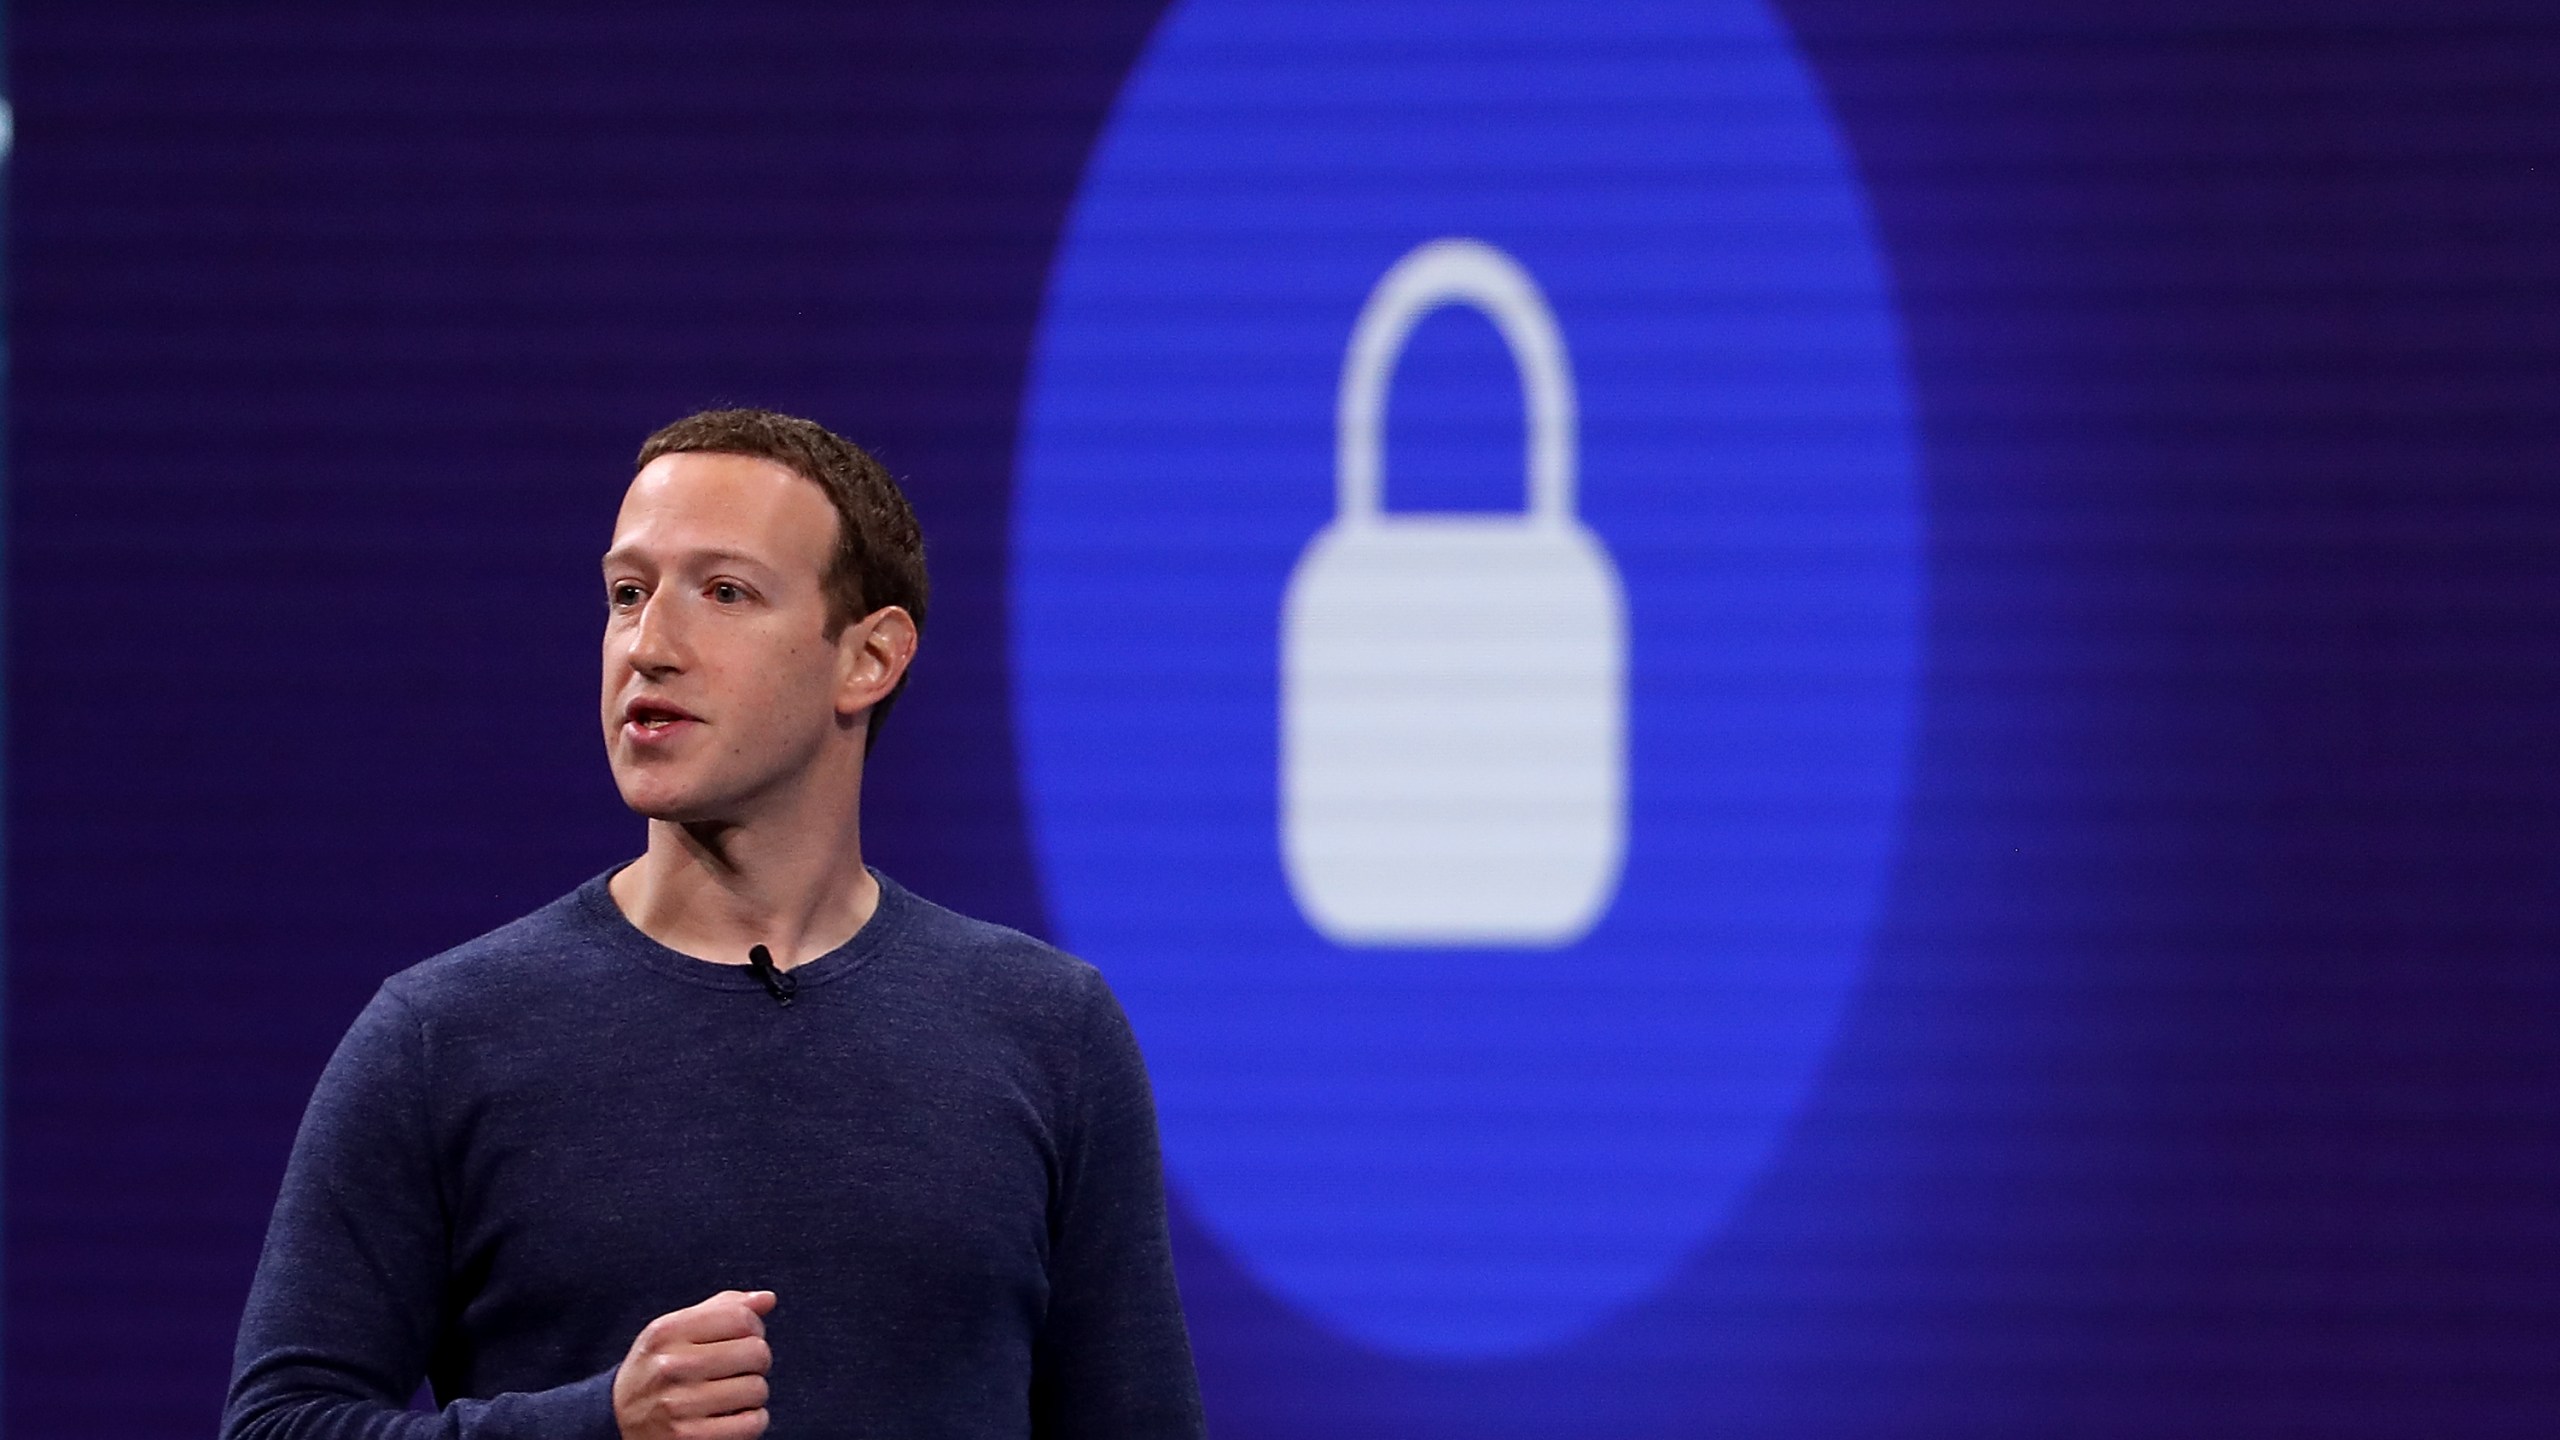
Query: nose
[656, 645]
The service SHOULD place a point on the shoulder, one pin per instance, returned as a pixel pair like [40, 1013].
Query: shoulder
[997, 970]
[524, 961]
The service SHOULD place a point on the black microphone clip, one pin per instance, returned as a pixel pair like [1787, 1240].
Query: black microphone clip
[781, 983]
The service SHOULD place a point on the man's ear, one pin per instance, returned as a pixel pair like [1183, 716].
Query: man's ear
[874, 653]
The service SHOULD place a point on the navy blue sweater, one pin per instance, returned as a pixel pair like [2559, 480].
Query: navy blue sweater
[941, 1156]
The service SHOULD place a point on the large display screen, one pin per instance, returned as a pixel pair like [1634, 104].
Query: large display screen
[1782, 718]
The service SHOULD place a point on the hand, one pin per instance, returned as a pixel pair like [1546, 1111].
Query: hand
[697, 1373]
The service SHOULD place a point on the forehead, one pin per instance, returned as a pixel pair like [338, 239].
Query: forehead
[739, 504]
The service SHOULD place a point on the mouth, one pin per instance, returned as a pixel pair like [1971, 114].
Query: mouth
[655, 717]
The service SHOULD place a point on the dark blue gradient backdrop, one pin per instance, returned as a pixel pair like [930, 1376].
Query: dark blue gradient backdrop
[2203, 1075]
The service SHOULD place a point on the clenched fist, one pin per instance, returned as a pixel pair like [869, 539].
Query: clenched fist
[697, 1373]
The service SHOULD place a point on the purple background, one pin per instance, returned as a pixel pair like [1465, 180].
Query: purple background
[2206, 1080]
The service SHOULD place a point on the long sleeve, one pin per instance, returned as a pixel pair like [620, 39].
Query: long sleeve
[350, 1291]
[1112, 1358]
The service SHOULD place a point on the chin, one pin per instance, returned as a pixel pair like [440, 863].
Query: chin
[652, 799]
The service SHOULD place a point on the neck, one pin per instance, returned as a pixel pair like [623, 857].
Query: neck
[713, 890]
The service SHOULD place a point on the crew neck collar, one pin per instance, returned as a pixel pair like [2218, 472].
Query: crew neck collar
[877, 936]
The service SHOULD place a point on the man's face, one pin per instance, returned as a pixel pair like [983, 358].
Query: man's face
[721, 690]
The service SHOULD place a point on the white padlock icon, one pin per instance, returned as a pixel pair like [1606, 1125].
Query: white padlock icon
[1453, 688]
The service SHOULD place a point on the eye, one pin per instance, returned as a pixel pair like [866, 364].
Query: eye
[622, 594]
[727, 592]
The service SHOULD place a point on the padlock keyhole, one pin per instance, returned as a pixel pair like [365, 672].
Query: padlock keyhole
[1454, 428]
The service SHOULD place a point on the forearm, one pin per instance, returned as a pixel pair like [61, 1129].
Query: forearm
[300, 1401]
[342, 1315]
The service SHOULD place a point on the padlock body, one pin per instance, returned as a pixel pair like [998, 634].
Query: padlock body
[1453, 731]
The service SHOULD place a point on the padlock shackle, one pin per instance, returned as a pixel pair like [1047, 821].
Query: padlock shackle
[1456, 272]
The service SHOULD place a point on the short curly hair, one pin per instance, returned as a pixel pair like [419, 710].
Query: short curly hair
[879, 551]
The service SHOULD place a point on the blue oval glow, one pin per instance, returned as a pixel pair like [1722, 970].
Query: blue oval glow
[1482, 1151]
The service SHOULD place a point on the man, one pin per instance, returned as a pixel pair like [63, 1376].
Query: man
[740, 1134]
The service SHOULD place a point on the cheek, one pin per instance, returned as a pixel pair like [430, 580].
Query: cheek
[810, 665]
[789, 686]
